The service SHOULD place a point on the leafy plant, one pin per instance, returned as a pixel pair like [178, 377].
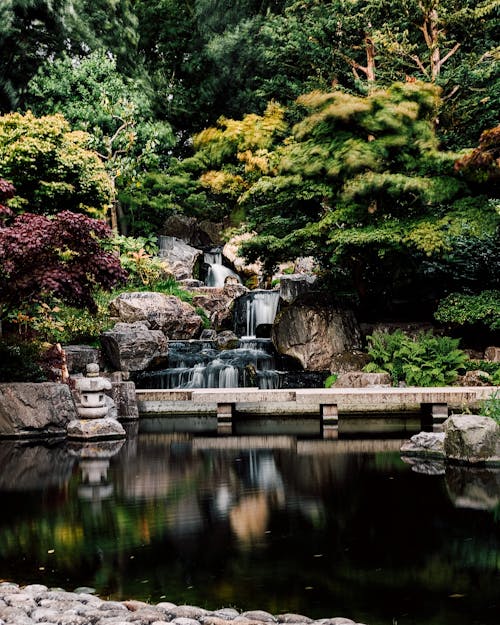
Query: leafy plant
[488, 366]
[425, 360]
[491, 407]
[61, 256]
[462, 309]
[138, 256]
[331, 379]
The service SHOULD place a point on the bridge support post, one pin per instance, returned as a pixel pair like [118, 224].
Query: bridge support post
[224, 413]
[434, 415]
[329, 414]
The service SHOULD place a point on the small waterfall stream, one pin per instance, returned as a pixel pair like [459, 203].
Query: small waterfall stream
[217, 271]
[261, 308]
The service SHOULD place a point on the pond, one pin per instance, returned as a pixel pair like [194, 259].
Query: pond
[316, 526]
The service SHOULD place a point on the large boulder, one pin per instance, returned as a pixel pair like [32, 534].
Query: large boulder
[79, 356]
[175, 318]
[179, 257]
[472, 439]
[314, 333]
[492, 354]
[35, 409]
[134, 346]
[293, 285]
[197, 233]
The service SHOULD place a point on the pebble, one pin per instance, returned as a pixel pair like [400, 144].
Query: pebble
[33, 604]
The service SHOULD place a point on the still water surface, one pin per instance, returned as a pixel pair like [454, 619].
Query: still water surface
[318, 527]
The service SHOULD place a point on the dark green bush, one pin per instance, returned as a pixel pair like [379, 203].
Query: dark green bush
[19, 362]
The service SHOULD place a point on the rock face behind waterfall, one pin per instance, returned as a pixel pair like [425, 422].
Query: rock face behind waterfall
[176, 319]
[315, 333]
[180, 257]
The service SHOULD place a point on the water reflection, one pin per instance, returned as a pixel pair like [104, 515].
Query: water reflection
[322, 527]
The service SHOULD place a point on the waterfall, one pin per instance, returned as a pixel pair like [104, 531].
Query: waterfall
[197, 364]
[217, 272]
[261, 308]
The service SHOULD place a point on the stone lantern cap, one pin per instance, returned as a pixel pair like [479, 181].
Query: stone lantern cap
[93, 382]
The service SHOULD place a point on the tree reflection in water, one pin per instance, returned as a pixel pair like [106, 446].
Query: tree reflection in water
[318, 527]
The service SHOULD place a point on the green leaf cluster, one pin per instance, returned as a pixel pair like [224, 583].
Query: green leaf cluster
[491, 407]
[469, 309]
[424, 360]
[51, 166]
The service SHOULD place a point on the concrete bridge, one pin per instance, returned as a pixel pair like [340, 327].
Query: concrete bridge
[433, 403]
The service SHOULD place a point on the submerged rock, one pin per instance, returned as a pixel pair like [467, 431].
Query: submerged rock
[95, 429]
[476, 488]
[427, 444]
[472, 438]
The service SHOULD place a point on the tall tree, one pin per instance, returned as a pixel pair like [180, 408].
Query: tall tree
[35, 31]
[361, 184]
[116, 111]
[51, 166]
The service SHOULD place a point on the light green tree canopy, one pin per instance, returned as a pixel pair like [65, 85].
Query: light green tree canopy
[360, 183]
[51, 166]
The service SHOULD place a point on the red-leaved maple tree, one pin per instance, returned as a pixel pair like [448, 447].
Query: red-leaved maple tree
[61, 256]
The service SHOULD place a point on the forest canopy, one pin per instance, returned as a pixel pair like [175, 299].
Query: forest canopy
[362, 132]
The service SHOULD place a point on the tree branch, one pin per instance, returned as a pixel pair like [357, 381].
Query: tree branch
[448, 55]
[419, 63]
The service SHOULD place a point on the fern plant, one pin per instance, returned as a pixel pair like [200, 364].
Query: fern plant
[425, 360]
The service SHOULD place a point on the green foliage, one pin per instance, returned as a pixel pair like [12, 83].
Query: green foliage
[19, 362]
[489, 367]
[137, 257]
[51, 166]
[95, 97]
[425, 360]
[331, 379]
[463, 309]
[34, 31]
[491, 407]
[359, 182]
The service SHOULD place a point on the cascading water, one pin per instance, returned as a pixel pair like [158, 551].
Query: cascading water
[217, 271]
[261, 308]
[198, 364]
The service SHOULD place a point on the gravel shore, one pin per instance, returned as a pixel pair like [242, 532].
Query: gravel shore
[30, 605]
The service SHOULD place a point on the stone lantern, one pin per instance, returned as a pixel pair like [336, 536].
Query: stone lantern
[93, 407]
[92, 397]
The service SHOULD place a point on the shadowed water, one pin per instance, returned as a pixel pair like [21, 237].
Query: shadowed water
[322, 527]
